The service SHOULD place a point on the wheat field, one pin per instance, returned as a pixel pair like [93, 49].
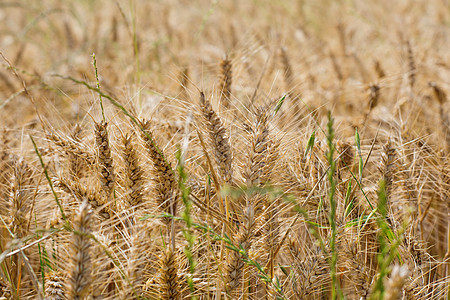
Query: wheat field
[213, 149]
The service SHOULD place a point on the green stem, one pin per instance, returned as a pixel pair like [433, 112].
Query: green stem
[49, 180]
[98, 86]
[335, 288]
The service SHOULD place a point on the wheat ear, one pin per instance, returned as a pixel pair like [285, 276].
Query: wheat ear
[262, 153]
[379, 69]
[73, 147]
[394, 285]
[441, 97]
[77, 165]
[225, 80]
[165, 184]
[54, 286]
[235, 265]
[387, 166]
[80, 272]
[81, 193]
[104, 159]
[219, 139]
[20, 195]
[373, 97]
[288, 74]
[169, 279]
[133, 172]
[412, 71]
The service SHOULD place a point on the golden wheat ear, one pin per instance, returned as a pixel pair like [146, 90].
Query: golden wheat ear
[133, 173]
[412, 70]
[79, 283]
[225, 81]
[184, 83]
[394, 286]
[441, 97]
[262, 152]
[169, 279]
[81, 193]
[137, 263]
[72, 147]
[379, 69]
[165, 188]
[234, 266]
[20, 197]
[77, 165]
[5, 291]
[219, 139]
[104, 159]
[54, 286]
[387, 166]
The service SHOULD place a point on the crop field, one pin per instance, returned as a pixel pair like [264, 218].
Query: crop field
[224, 149]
